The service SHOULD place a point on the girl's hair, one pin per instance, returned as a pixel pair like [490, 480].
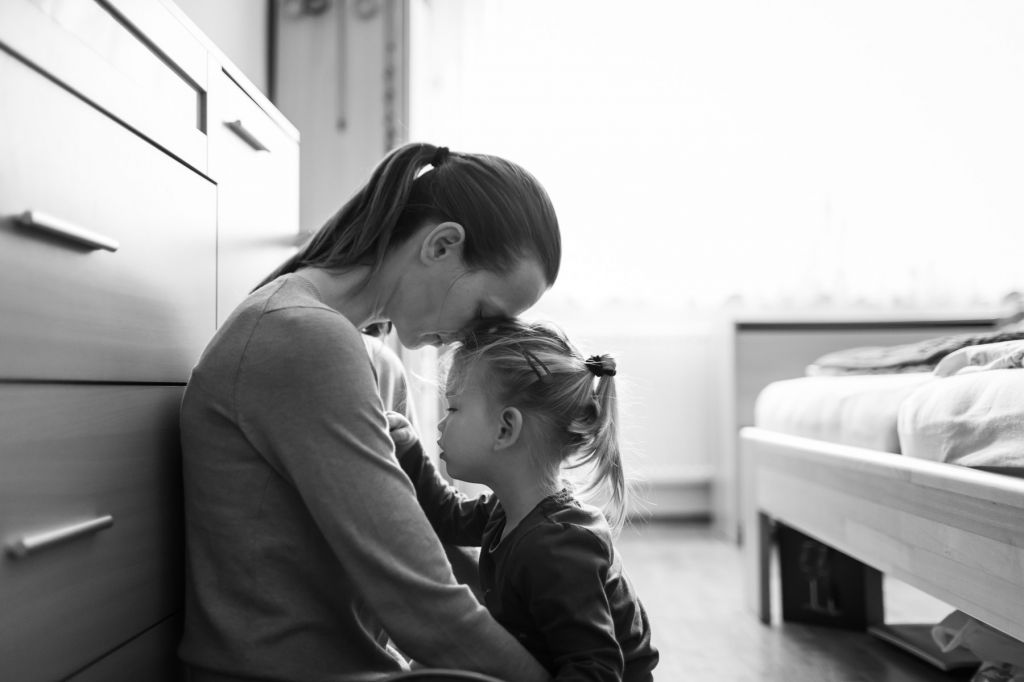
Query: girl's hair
[505, 212]
[534, 367]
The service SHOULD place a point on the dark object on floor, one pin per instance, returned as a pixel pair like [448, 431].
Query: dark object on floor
[916, 638]
[822, 586]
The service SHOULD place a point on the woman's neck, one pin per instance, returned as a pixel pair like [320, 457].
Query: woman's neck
[349, 292]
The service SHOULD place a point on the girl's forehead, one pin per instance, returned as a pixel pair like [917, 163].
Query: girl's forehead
[465, 375]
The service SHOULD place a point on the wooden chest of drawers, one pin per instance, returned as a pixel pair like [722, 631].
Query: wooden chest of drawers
[136, 209]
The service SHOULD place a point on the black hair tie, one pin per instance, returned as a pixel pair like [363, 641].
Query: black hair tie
[601, 365]
[440, 154]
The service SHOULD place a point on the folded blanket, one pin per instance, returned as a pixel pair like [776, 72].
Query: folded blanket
[921, 356]
[1003, 355]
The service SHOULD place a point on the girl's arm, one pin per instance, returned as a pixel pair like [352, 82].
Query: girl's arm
[456, 518]
[561, 570]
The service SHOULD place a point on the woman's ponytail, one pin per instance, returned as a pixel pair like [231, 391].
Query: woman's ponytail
[369, 223]
[506, 213]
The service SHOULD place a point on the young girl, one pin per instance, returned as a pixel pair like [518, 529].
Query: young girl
[523, 402]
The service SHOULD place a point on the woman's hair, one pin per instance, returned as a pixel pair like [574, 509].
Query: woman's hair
[534, 367]
[505, 212]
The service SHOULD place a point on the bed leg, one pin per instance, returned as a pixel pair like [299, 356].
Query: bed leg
[757, 550]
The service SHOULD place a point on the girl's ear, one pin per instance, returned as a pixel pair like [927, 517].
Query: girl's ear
[444, 241]
[510, 427]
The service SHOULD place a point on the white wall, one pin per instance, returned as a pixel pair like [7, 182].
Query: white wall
[238, 28]
[331, 67]
[773, 153]
[780, 151]
[667, 409]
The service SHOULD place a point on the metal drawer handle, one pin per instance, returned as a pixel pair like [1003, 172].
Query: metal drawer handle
[63, 228]
[33, 543]
[238, 128]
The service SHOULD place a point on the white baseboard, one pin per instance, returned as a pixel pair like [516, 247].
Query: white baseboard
[672, 499]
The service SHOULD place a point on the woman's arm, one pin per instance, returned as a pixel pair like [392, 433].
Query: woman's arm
[456, 518]
[307, 401]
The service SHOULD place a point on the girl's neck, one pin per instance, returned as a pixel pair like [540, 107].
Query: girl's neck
[518, 498]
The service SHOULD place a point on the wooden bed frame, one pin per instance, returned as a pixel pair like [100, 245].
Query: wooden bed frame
[953, 532]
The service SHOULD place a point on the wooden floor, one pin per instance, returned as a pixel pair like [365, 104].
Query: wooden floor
[690, 584]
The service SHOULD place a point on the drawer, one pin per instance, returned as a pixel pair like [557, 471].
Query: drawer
[132, 59]
[73, 312]
[256, 166]
[71, 454]
[150, 657]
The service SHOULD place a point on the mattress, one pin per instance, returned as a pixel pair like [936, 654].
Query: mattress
[857, 409]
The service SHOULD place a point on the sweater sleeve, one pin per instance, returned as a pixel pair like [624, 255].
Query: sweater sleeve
[456, 518]
[561, 570]
[306, 398]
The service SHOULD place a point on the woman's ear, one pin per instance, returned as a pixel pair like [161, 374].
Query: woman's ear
[443, 241]
[510, 427]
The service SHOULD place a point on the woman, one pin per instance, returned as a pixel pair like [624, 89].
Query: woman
[305, 542]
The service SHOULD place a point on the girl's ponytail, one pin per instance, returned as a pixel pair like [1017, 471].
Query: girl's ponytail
[369, 223]
[605, 456]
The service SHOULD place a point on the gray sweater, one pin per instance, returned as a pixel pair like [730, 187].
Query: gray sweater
[306, 545]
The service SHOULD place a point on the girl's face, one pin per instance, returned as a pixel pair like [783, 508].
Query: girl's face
[469, 429]
[440, 297]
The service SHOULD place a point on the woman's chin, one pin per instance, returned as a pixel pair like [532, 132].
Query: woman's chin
[414, 342]
[421, 340]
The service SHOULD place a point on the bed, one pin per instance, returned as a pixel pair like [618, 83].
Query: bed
[946, 516]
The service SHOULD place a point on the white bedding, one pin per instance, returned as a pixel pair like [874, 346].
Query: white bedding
[859, 410]
[969, 411]
[973, 413]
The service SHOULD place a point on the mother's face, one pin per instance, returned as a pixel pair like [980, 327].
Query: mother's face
[440, 297]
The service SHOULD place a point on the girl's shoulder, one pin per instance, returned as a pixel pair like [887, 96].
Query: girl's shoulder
[565, 529]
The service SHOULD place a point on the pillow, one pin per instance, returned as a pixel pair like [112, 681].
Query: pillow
[972, 418]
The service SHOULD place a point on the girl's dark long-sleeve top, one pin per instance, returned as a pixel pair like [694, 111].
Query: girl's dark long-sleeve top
[555, 581]
[306, 545]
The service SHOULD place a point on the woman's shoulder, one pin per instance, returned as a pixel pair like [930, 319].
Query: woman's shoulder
[284, 329]
[290, 307]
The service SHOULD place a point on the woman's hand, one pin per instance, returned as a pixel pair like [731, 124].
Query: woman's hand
[402, 432]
